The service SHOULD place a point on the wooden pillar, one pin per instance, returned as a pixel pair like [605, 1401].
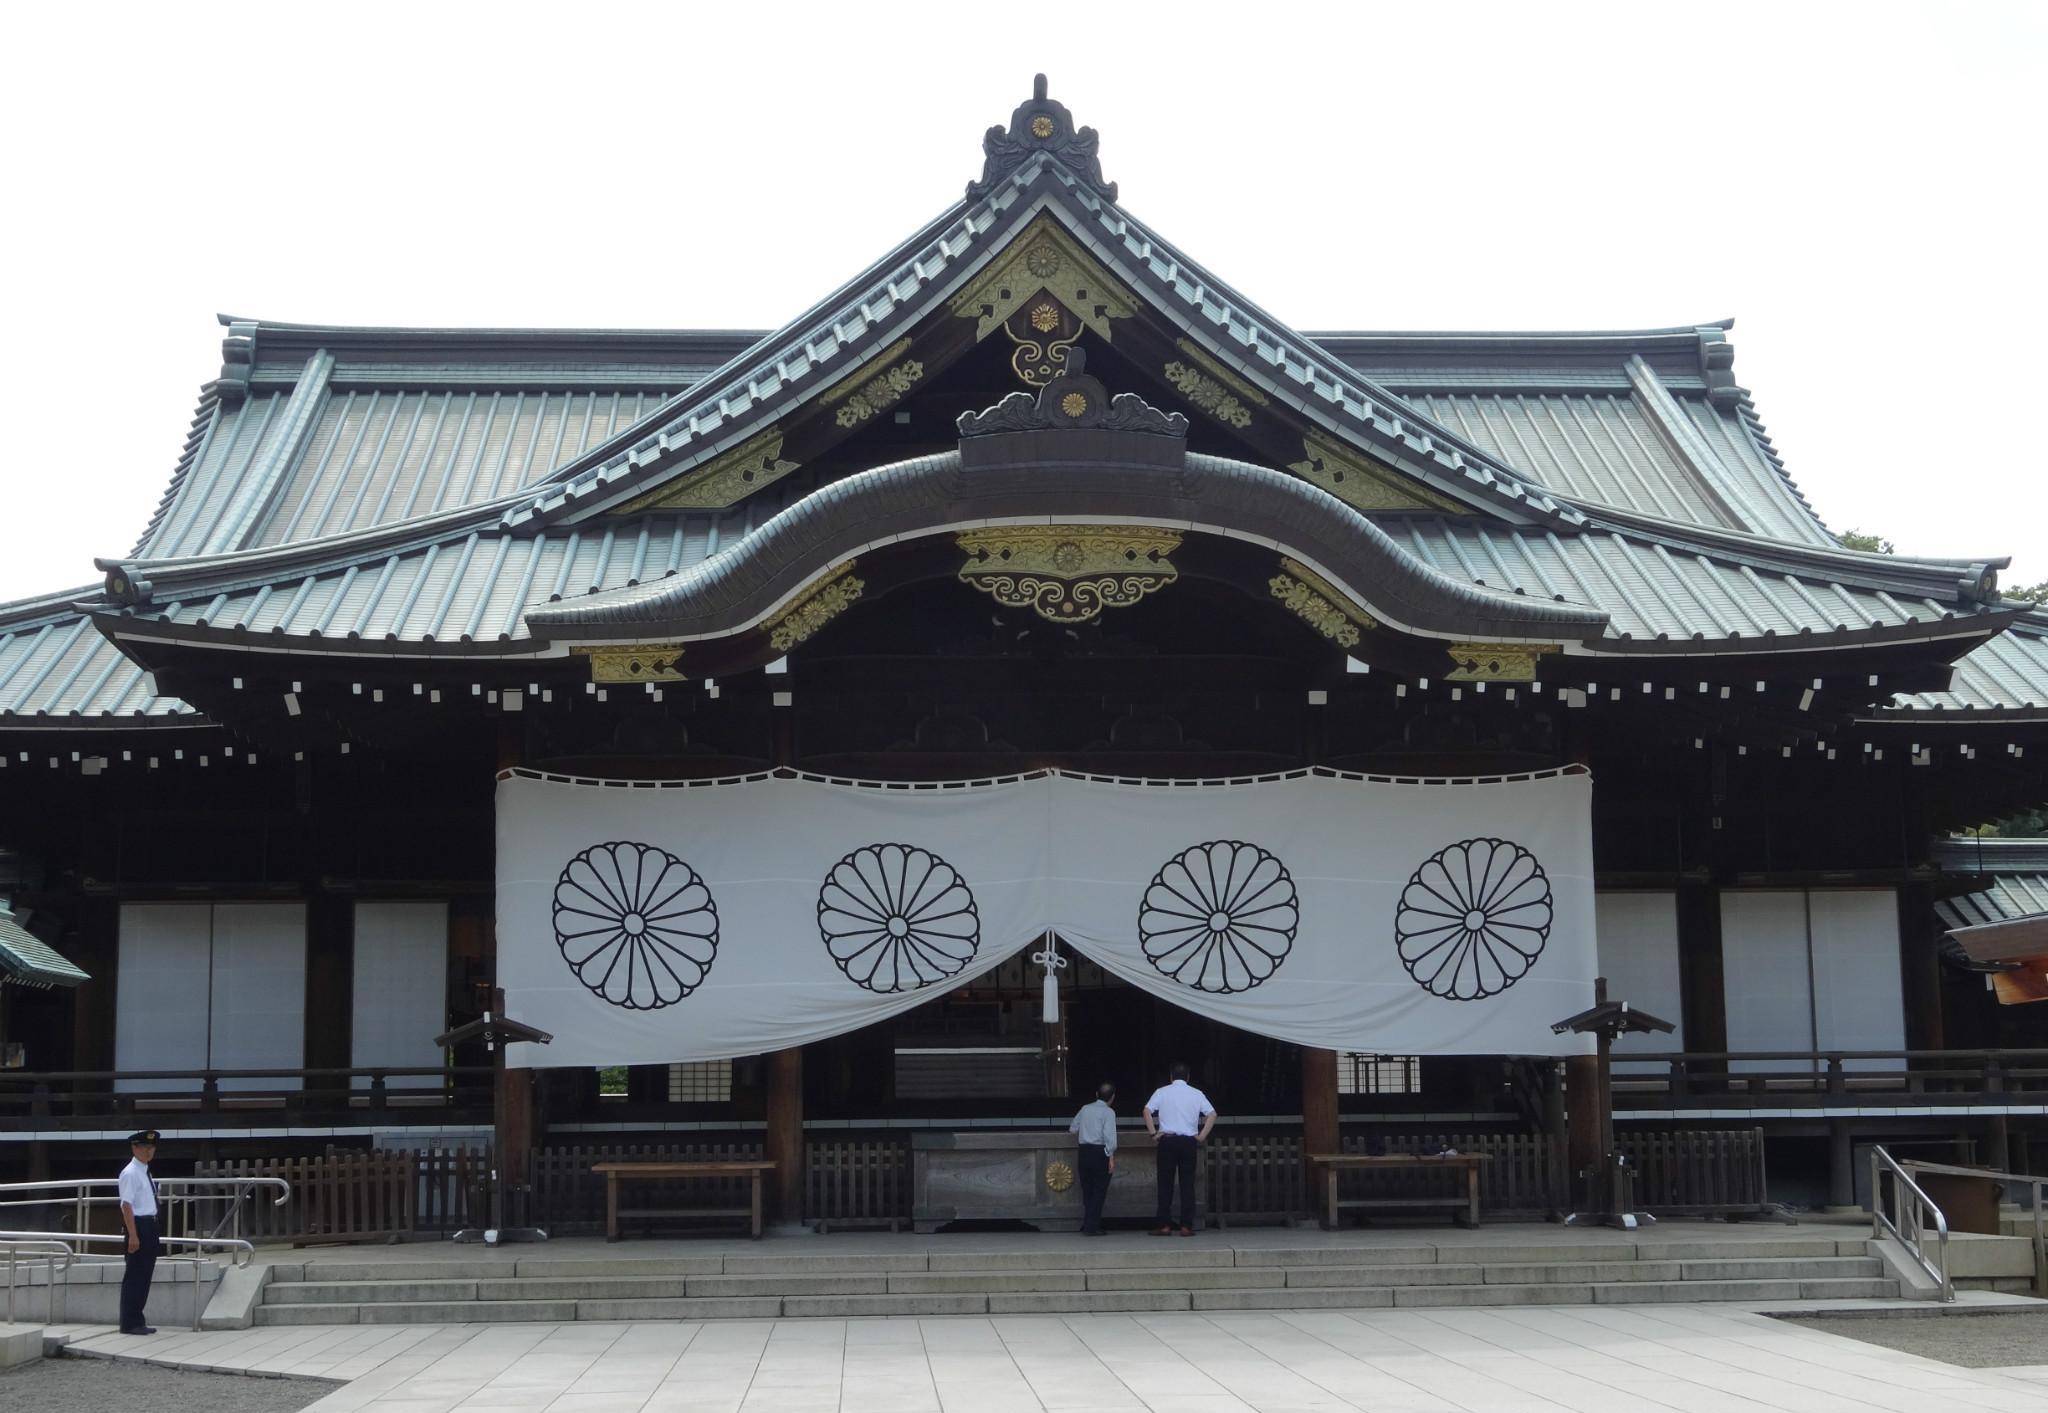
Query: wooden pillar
[783, 1143]
[1583, 1128]
[1702, 983]
[1920, 937]
[1319, 1125]
[512, 1102]
[1841, 1166]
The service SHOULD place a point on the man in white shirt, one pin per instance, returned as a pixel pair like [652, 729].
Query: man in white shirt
[1180, 1117]
[139, 1219]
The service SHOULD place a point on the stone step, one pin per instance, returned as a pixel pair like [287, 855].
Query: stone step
[1084, 1302]
[841, 1306]
[306, 1314]
[949, 1282]
[1814, 1268]
[1219, 1277]
[346, 1272]
[368, 1292]
[740, 1307]
[1118, 1254]
[1357, 1277]
[436, 1312]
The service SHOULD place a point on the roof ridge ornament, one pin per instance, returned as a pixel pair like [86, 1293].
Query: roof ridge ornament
[1040, 125]
[1069, 402]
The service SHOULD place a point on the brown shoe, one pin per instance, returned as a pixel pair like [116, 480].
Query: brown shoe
[1185, 1231]
[1161, 1231]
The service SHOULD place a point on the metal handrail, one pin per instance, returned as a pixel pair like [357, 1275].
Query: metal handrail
[77, 1194]
[1907, 1222]
[53, 1247]
[2038, 1185]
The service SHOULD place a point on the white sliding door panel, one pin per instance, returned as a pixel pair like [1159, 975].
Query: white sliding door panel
[160, 1005]
[1764, 961]
[401, 988]
[1858, 998]
[1638, 940]
[259, 990]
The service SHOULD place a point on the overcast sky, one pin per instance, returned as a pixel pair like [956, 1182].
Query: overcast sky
[1859, 185]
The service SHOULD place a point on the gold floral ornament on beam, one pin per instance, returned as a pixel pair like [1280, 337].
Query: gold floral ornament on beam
[832, 596]
[1059, 1176]
[1318, 603]
[1069, 573]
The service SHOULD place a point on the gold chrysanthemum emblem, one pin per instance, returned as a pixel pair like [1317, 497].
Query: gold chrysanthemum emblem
[1073, 404]
[1058, 1176]
[1043, 261]
[1041, 127]
[1045, 318]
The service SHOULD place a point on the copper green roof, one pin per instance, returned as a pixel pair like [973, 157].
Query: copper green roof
[25, 960]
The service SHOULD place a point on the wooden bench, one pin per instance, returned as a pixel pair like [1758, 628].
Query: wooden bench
[1336, 1164]
[616, 1173]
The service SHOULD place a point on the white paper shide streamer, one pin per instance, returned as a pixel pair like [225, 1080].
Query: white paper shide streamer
[644, 925]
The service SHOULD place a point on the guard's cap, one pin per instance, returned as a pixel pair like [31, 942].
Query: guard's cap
[144, 1138]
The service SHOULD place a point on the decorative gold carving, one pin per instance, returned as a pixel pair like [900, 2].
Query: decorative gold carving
[1044, 332]
[1041, 127]
[1318, 602]
[831, 597]
[1059, 1176]
[1495, 662]
[1073, 404]
[1069, 573]
[643, 662]
[1044, 258]
[1208, 395]
[879, 394]
[1363, 484]
[724, 480]
[1222, 374]
[876, 388]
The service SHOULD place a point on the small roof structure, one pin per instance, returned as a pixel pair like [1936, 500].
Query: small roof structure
[26, 960]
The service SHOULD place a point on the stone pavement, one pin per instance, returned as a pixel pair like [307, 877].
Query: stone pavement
[1693, 1358]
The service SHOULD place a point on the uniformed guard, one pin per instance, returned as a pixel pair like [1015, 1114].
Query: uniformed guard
[139, 1218]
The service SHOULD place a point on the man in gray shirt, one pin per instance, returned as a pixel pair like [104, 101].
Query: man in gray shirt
[1095, 1128]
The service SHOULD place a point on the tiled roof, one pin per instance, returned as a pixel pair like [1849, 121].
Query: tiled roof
[2018, 869]
[54, 664]
[857, 322]
[314, 431]
[1655, 590]
[26, 960]
[2005, 676]
[1649, 422]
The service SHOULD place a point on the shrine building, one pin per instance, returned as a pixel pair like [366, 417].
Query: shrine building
[1032, 545]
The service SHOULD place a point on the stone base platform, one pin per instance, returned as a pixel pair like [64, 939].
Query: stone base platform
[867, 1274]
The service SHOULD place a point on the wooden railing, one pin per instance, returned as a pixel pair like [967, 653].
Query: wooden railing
[1692, 1172]
[349, 1196]
[857, 1182]
[387, 1096]
[1820, 1078]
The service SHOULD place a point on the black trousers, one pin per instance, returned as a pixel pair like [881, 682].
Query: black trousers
[140, 1270]
[1093, 1161]
[1176, 1163]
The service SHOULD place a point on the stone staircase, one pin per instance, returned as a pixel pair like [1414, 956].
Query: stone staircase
[1120, 1274]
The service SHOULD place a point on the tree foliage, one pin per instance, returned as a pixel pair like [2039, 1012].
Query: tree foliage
[1868, 542]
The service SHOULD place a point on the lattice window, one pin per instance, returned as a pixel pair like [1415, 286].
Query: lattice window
[1379, 1074]
[700, 1082]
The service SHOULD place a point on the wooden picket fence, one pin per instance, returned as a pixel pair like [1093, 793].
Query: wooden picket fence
[1254, 1177]
[1699, 1172]
[858, 1182]
[339, 1197]
[1524, 1176]
[567, 1197]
